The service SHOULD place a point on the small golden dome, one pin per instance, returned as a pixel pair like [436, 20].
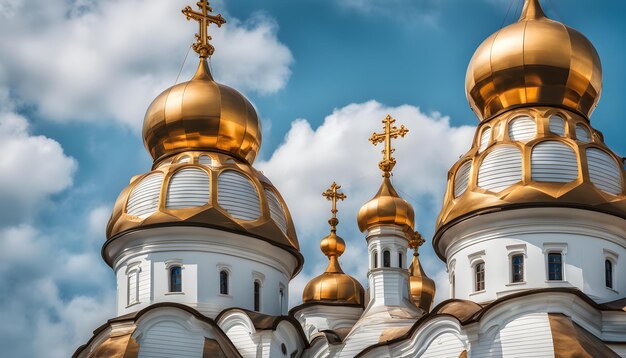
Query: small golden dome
[535, 61]
[386, 208]
[333, 285]
[202, 115]
[421, 287]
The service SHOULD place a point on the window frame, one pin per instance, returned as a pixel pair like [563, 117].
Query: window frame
[477, 287]
[133, 268]
[374, 259]
[560, 265]
[555, 248]
[386, 258]
[521, 273]
[400, 259]
[256, 294]
[613, 258]
[224, 277]
[169, 266]
[514, 251]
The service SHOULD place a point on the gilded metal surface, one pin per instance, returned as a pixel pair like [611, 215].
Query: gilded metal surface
[202, 45]
[421, 287]
[571, 340]
[333, 285]
[123, 346]
[201, 114]
[386, 208]
[389, 132]
[535, 61]
[210, 215]
[461, 309]
[212, 349]
[578, 193]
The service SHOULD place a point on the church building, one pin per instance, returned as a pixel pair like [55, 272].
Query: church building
[532, 228]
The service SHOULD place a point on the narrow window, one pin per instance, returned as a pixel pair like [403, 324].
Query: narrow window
[133, 288]
[281, 297]
[223, 282]
[257, 296]
[517, 268]
[608, 273]
[479, 276]
[175, 279]
[555, 266]
[386, 258]
[375, 265]
[399, 259]
[453, 285]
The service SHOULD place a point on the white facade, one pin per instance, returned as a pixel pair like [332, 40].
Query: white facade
[585, 240]
[148, 255]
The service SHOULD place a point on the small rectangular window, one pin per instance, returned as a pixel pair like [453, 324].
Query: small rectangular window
[132, 288]
[223, 282]
[608, 273]
[386, 259]
[555, 266]
[517, 268]
[176, 279]
[400, 260]
[479, 276]
[257, 296]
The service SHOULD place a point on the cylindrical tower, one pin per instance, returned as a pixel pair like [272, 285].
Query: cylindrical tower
[203, 227]
[539, 200]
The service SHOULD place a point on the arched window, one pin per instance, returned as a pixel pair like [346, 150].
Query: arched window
[257, 295]
[375, 263]
[608, 273]
[479, 277]
[399, 259]
[517, 268]
[223, 282]
[176, 282]
[555, 266]
[386, 258]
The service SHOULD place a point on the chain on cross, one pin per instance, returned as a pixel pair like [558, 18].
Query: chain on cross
[390, 132]
[333, 194]
[204, 19]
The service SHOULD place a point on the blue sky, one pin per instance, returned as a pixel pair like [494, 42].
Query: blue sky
[76, 78]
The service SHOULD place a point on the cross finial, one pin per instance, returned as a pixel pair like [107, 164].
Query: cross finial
[333, 194]
[202, 45]
[416, 241]
[389, 132]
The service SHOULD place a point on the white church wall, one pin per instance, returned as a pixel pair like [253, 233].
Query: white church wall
[584, 238]
[317, 318]
[445, 345]
[524, 336]
[202, 256]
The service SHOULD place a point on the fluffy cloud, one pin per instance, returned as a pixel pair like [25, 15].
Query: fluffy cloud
[31, 168]
[309, 160]
[88, 60]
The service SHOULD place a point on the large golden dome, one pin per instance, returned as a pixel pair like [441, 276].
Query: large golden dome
[202, 115]
[536, 61]
[386, 208]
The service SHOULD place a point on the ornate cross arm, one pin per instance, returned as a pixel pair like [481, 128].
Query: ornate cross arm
[390, 132]
[333, 194]
[202, 45]
[416, 241]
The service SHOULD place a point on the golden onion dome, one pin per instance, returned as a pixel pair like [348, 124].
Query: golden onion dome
[386, 208]
[196, 189]
[334, 286]
[535, 61]
[421, 287]
[201, 115]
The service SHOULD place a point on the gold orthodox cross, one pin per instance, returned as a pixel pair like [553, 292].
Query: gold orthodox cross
[202, 45]
[416, 241]
[333, 194]
[390, 132]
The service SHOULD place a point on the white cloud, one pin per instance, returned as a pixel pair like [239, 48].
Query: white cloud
[309, 160]
[87, 60]
[31, 168]
[53, 298]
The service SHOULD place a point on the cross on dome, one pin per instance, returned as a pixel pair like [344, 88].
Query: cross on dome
[204, 19]
[333, 194]
[389, 132]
